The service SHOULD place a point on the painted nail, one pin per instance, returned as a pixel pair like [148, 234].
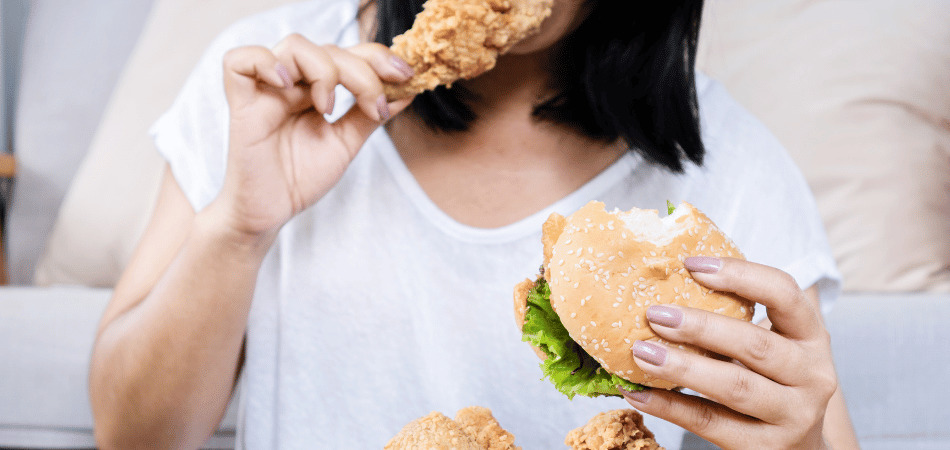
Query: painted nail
[383, 107]
[402, 66]
[636, 396]
[649, 352]
[284, 75]
[703, 264]
[666, 316]
[331, 101]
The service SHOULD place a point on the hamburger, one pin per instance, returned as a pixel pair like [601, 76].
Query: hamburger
[601, 271]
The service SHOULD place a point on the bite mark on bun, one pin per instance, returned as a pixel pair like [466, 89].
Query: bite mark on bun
[604, 269]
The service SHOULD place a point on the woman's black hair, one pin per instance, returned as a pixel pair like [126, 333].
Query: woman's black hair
[626, 72]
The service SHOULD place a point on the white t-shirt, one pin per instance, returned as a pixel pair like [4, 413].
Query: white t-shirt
[374, 307]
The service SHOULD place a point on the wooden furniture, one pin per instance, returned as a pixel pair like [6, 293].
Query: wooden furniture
[7, 170]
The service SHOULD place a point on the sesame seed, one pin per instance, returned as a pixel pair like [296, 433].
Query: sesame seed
[573, 315]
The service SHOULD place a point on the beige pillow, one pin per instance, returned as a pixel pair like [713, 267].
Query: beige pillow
[859, 92]
[112, 195]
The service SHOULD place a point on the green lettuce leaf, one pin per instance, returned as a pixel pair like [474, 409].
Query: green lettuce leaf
[568, 366]
[670, 207]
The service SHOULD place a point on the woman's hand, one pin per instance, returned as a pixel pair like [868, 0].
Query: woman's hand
[776, 397]
[283, 153]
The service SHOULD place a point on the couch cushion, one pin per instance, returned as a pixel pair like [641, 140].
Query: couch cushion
[44, 396]
[72, 55]
[112, 195]
[859, 92]
[893, 362]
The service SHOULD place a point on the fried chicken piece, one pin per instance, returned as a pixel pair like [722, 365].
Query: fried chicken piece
[621, 429]
[479, 423]
[434, 431]
[474, 428]
[455, 39]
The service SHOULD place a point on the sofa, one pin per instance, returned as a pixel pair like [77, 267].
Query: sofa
[859, 93]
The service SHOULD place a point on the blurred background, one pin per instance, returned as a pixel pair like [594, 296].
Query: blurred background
[857, 90]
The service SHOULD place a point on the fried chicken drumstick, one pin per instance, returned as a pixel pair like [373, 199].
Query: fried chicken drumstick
[456, 39]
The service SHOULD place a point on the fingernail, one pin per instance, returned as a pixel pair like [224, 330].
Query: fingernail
[636, 396]
[402, 66]
[649, 352]
[331, 101]
[703, 264]
[383, 107]
[666, 316]
[284, 74]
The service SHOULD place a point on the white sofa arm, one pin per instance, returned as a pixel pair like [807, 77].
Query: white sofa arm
[46, 337]
[893, 358]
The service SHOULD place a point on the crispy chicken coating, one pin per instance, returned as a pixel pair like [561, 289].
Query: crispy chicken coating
[434, 431]
[455, 39]
[474, 428]
[479, 423]
[621, 429]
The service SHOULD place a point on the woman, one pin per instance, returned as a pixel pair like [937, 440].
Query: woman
[358, 276]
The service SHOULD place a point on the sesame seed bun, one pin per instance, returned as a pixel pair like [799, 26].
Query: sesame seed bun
[605, 268]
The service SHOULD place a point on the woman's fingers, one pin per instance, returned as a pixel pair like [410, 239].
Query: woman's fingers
[360, 69]
[731, 385]
[709, 420]
[305, 74]
[791, 313]
[247, 67]
[753, 346]
[312, 66]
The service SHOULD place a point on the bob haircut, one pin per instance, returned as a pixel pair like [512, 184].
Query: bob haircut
[626, 72]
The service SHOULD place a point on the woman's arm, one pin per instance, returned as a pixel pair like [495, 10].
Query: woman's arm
[168, 346]
[167, 350]
[779, 394]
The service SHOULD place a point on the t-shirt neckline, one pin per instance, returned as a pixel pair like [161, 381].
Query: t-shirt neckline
[527, 226]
